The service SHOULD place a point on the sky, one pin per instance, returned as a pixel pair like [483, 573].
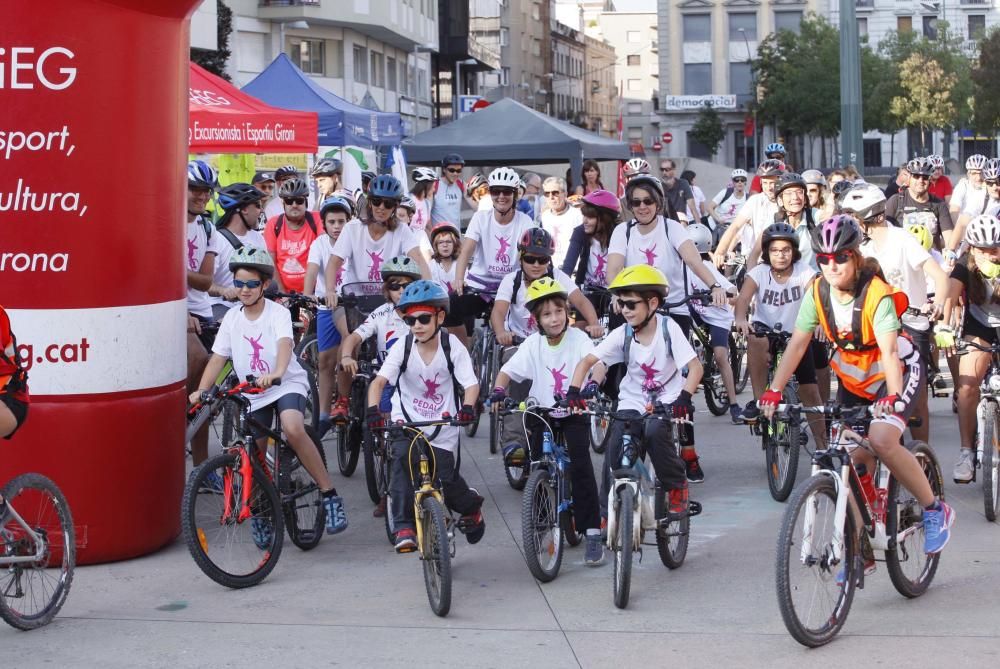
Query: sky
[635, 5]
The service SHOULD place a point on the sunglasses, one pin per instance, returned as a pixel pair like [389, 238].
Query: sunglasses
[667, 169]
[454, 171]
[741, 180]
[382, 202]
[992, 182]
[648, 201]
[251, 284]
[395, 285]
[293, 200]
[502, 191]
[423, 319]
[535, 260]
[921, 177]
[840, 258]
[552, 193]
[629, 304]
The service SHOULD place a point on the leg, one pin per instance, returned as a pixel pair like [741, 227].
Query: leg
[667, 463]
[972, 367]
[884, 438]
[458, 496]
[581, 471]
[726, 370]
[821, 361]
[400, 484]
[197, 358]
[8, 422]
[294, 429]
[809, 394]
[758, 357]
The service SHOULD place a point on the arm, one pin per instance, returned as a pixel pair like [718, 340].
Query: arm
[941, 287]
[957, 234]
[695, 372]
[208, 377]
[710, 207]
[277, 275]
[573, 253]
[586, 309]
[309, 287]
[498, 321]
[471, 395]
[418, 257]
[202, 279]
[616, 263]
[689, 254]
[888, 347]
[743, 305]
[754, 256]
[280, 364]
[728, 239]
[582, 367]
[462, 264]
[347, 361]
[332, 268]
[375, 389]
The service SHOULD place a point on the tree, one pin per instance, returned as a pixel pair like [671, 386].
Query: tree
[985, 77]
[215, 61]
[708, 129]
[926, 100]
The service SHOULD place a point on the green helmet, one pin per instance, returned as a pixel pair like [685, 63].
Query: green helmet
[401, 266]
[253, 258]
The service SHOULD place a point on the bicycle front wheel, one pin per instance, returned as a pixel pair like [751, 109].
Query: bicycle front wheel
[910, 568]
[672, 539]
[599, 426]
[989, 461]
[307, 353]
[31, 593]
[477, 364]
[738, 361]
[232, 552]
[623, 547]
[541, 533]
[781, 452]
[435, 555]
[814, 588]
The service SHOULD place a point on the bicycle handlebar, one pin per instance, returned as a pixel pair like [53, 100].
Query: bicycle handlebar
[444, 421]
[703, 296]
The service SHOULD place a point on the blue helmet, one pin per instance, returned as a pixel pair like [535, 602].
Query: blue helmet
[424, 292]
[336, 203]
[201, 175]
[387, 186]
[239, 195]
[774, 147]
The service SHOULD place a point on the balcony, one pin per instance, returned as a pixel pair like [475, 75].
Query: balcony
[976, 3]
[864, 5]
[389, 28]
[288, 3]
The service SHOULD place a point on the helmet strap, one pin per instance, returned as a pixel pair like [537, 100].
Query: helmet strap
[246, 223]
[645, 321]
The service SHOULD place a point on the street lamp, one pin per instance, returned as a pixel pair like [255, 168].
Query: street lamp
[850, 87]
[753, 94]
[455, 84]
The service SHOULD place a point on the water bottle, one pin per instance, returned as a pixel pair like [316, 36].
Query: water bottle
[547, 442]
[867, 485]
[626, 451]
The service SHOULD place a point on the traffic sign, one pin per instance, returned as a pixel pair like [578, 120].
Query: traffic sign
[667, 137]
[483, 103]
[657, 146]
[467, 104]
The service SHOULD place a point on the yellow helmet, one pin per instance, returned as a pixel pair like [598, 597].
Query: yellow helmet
[922, 233]
[640, 277]
[541, 289]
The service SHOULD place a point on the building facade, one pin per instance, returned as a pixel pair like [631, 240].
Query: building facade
[636, 43]
[522, 32]
[600, 90]
[566, 98]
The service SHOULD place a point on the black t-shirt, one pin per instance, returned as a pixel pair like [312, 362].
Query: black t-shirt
[976, 320]
[679, 194]
[901, 210]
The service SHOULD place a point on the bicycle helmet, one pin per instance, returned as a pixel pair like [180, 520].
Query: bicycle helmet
[774, 147]
[336, 203]
[604, 200]
[634, 167]
[838, 233]
[922, 234]
[286, 172]
[239, 195]
[976, 161]
[771, 167]
[840, 190]
[475, 183]
[443, 227]
[409, 204]
[252, 258]
[294, 188]
[991, 173]
[423, 174]
[790, 180]
[201, 175]
[423, 293]
[983, 232]
[814, 178]
[701, 236]
[537, 242]
[503, 177]
[866, 200]
[400, 266]
[386, 186]
[779, 231]
[366, 178]
[920, 166]
[348, 196]
[936, 161]
[640, 278]
[738, 174]
[327, 167]
[542, 289]
[646, 182]
[452, 159]
[993, 162]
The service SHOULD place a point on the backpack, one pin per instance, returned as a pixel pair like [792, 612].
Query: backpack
[728, 194]
[666, 231]
[630, 335]
[456, 388]
[233, 240]
[18, 381]
[207, 227]
[280, 223]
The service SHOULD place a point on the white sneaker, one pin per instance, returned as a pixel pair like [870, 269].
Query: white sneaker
[964, 470]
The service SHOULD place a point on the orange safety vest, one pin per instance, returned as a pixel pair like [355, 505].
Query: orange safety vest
[857, 360]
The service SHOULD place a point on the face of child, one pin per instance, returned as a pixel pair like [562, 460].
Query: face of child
[780, 253]
[403, 215]
[634, 307]
[335, 222]
[534, 270]
[394, 287]
[551, 318]
[444, 245]
[251, 293]
[424, 331]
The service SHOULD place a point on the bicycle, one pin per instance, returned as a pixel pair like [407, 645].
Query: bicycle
[303, 309]
[600, 297]
[716, 397]
[818, 542]
[246, 483]
[987, 452]
[37, 552]
[482, 348]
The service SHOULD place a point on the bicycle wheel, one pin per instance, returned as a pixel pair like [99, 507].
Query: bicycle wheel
[989, 461]
[517, 475]
[672, 539]
[232, 552]
[477, 364]
[436, 555]
[371, 467]
[910, 568]
[715, 395]
[301, 501]
[738, 360]
[781, 451]
[307, 352]
[230, 414]
[568, 524]
[623, 547]
[31, 593]
[814, 589]
[541, 532]
[599, 425]
[350, 436]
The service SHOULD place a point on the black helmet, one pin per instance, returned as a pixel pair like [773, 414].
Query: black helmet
[366, 177]
[790, 180]
[452, 159]
[286, 172]
[840, 189]
[327, 167]
[238, 195]
[294, 188]
[772, 167]
[920, 166]
[536, 241]
[777, 232]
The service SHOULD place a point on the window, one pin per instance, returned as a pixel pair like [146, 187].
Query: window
[872, 149]
[862, 27]
[634, 84]
[633, 59]
[697, 78]
[930, 27]
[744, 21]
[635, 134]
[390, 71]
[787, 21]
[308, 54]
[633, 36]
[360, 64]
[741, 82]
[404, 78]
[977, 26]
[634, 109]
[504, 36]
[904, 24]
[697, 28]
[504, 76]
[378, 69]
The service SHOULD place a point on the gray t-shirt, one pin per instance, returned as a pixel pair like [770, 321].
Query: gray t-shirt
[679, 195]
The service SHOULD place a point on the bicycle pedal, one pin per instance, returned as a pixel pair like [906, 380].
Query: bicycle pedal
[694, 508]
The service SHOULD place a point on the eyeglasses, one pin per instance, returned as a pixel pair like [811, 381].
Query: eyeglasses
[840, 258]
[454, 171]
[293, 200]
[536, 260]
[423, 319]
[992, 182]
[629, 304]
[648, 201]
[667, 169]
[921, 177]
[783, 252]
[251, 284]
[395, 285]
[739, 180]
[552, 193]
[383, 202]
[506, 192]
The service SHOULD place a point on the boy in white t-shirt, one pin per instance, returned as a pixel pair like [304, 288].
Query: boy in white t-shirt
[241, 208]
[425, 369]
[257, 337]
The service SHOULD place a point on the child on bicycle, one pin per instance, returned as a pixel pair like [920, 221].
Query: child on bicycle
[654, 350]
[444, 252]
[257, 337]
[426, 371]
[544, 363]
[874, 363]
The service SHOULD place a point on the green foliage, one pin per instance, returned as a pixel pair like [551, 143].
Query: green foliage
[985, 76]
[927, 88]
[215, 61]
[708, 129]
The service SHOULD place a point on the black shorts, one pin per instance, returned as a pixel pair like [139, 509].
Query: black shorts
[820, 355]
[207, 335]
[805, 372]
[973, 328]
[913, 381]
[18, 408]
[464, 307]
[265, 415]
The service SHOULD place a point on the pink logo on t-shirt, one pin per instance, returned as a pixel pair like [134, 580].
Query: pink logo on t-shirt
[340, 275]
[532, 323]
[257, 364]
[431, 389]
[502, 256]
[557, 379]
[192, 249]
[650, 254]
[599, 272]
[650, 372]
[374, 273]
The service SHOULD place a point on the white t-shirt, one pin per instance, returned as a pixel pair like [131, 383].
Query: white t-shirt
[364, 255]
[779, 302]
[761, 212]
[386, 325]
[485, 203]
[496, 248]
[561, 227]
[447, 203]
[718, 316]
[657, 248]
[198, 246]
[559, 362]
[699, 197]
[968, 200]
[902, 258]
[421, 217]
[253, 348]
[648, 363]
[223, 253]
[519, 319]
[445, 277]
[597, 264]
[427, 391]
[319, 254]
[726, 211]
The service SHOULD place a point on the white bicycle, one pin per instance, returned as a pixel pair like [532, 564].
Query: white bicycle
[988, 430]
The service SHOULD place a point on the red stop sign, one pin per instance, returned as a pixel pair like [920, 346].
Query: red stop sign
[667, 137]
[480, 104]
[657, 146]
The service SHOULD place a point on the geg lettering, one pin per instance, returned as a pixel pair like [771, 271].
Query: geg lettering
[22, 69]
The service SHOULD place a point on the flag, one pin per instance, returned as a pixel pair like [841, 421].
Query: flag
[748, 126]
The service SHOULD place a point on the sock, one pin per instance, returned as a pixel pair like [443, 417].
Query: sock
[688, 453]
[936, 506]
[594, 532]
[332, 492]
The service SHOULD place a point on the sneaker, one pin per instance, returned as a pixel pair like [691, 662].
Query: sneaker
[323, 426]
[379, 511]
[751, 412]
[965, 471]
[338, 414]
[695, 474]
[336, 515]
[678, 500]
[513, 455]
[594, 555]
[406, 540]
[212, 482]
[262, 532]
[736, 414]
[475, 526]
[937, 527]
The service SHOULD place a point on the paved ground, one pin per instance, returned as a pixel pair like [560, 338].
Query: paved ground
[354, 602]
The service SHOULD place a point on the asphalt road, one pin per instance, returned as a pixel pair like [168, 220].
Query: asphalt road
[354, 602]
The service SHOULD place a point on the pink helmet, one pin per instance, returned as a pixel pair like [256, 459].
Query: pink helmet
[602, 199]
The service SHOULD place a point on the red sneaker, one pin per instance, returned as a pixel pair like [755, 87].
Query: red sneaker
[338, 414]
[679, 500]
[406, 540]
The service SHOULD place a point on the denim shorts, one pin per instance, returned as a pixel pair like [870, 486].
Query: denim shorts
[265, 415]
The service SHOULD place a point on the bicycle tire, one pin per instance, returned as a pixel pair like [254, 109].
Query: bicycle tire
[672, 540]
[904, 515]
[307, 353]
[600, 427]
[390, 531]
[517, 475]
[739, 361]
[820, 490]
[567, 521]
[990, 462]
[350, 436]
[622, 580]
[477, 364]
[229, 418]
[43, 507]
[781, 451]
[196, 521]
[435, 555]
[541, 530]
[304, 526]
[371, 468]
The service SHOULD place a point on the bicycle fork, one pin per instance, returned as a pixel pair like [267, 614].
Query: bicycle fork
[613, 506]
[833, 554]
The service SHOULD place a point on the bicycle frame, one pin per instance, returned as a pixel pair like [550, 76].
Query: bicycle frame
[41, 544]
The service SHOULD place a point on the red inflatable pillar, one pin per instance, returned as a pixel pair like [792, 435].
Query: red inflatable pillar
[93, 144]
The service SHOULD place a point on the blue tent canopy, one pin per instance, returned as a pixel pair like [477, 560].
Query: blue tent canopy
[341, 123]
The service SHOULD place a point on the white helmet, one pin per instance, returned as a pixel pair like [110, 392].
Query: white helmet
[504, 177]
[701, 236]
[936, 161]
[866, 200]
[738, 174]
[635, 166]
[814, 178]
[976, 161]
[983, 232]
[423, 174]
